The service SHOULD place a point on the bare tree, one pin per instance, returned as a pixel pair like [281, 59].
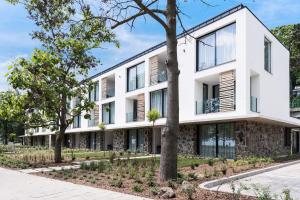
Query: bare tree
[166, 13]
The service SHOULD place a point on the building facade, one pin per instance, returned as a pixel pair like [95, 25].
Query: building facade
[233, 95]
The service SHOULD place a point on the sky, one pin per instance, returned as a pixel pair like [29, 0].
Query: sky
[15, 29]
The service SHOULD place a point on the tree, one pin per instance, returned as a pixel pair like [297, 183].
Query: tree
[50, 79]
[12, 114]
[289, 35]
[152, 116]
[167, 14]
[119, 12]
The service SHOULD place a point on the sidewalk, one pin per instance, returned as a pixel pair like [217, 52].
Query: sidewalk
[15, 185]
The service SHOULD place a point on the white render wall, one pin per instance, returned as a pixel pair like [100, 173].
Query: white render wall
[272, 89]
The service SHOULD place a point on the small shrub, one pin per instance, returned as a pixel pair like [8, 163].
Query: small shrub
[286, 194]
[171, 184]
[116, 183]
[112, 157]
[224, 169]
[189, 191]
[210, 162]
[192, 176]
[192, 166]
[154, 190]
[137, 188]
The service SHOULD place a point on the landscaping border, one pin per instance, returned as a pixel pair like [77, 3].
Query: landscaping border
[210, 184]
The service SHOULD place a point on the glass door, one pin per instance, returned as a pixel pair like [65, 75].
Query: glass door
[141, 141]
[132, 146]
[208, 141]
[226, 141]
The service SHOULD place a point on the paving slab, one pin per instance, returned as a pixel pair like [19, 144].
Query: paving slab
[284, 178]
[15, 185]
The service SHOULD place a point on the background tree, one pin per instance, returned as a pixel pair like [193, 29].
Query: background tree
[11, 114]
[289, 35]
[50, 79]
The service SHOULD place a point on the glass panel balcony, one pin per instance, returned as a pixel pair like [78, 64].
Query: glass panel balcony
[131, 117]
[110, 93]
[253, 104]
[207, 106]
[159, 78]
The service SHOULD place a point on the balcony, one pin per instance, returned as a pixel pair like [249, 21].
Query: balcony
[131, 117]
[158, 78]
[253, 104]
[108, 87]
[208, 106]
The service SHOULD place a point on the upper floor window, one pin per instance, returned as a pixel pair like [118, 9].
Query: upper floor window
[77, 121]
[267, 56]
[216, 48]
[94, 92]
[136, 77]
[158, 100]
[108, 113]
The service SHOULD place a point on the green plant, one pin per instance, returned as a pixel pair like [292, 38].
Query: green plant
[192, 176]
[112, 157]
[262, 192]
[153, 115]
[116, 182]
[189, 191]
[137, 188]
[224, 169]
[171, 184]
[210, 162]
[286, 194]
[154, 190]
[192, 166]
[206, 174]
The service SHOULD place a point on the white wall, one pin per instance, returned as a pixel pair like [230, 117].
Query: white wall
[273, 88]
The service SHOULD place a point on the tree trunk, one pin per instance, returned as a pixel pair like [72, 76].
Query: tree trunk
[168, 160]
[57, 149]
[5, 136]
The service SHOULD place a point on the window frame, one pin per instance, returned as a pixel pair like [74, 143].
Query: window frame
[136, 79]
[163, 91]
[269, 67]
[94, 91]
[109, 113]
[215, 47]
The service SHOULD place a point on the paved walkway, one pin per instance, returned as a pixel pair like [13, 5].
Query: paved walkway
[15, 185]
[276, 180]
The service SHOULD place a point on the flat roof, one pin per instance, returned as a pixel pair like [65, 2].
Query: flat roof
[183, 34]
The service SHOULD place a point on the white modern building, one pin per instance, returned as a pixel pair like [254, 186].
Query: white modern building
[233, 94]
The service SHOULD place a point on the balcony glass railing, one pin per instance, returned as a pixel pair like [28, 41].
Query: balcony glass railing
[253, 104]
[159, 78]
[110, 93]
[131, 117]
[207, 106]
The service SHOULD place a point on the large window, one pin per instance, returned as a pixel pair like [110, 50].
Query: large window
[158, 100]
[108, 113]
[217, 140]
[136, 77]
[136, 140]
[94, 92]
[267, 56]
[216, 48]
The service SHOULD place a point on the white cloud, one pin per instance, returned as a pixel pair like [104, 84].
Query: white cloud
[4, 63]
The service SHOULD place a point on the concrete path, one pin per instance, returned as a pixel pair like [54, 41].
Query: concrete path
[15, 185]
[277, 180]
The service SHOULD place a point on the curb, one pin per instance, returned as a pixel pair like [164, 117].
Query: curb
[209, 184]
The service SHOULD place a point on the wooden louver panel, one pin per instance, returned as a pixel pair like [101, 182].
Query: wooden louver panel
[227, 91]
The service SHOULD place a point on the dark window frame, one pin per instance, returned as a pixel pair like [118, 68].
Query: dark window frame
[136, 79]
[78, 119]
[109, 112]
[215, 47]
[287, 137]
[94, 90]
[163, 114]
[269, 45]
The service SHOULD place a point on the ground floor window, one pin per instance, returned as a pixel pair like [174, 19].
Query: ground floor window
[217, 140]
[136, 140]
